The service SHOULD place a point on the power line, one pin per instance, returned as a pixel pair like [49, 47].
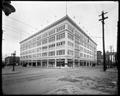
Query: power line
[7, 26]
[16, 31]
[30, 26]
[13, 27]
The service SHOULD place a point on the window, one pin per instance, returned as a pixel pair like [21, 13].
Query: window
[44, 54]
[52, 53]
[52, 32]
[60, 43]
[76, 46]
[70, 52]
[76, 53]
[81, 49]
[77, 35]
[60, 28]
[52, 38]
[70, 28]
[39, 37]
[87, 56]
[44, 35]
[51, 45]
[44, 48]
[60, 52]
[81, 54]
[70, 44]
[34, 55]
[70, 36]
[77, 42]
[84, 55]
[38, 43]
[44, 41]
[39, 55]
[60, 36]
[34, 43]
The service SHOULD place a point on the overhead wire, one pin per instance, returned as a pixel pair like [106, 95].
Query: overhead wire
[24, 23]
[16, 29]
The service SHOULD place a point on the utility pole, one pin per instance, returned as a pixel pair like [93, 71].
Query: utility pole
[104, 58]
[14, 60]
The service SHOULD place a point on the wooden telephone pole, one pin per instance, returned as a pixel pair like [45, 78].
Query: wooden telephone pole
[104, 58]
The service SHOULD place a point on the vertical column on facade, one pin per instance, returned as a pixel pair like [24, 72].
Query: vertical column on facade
[66, 62]
[79, 63]
[73, 63]
[86, 63]
[40, 63]
[28, 63]
[32, 63]
[55, 62]
[89, 63]
[36, 63]
[47, 63]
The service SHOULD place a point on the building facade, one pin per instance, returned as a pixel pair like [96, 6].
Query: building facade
[110, 59]
[99, 58]
[9, 60]
[61, 43]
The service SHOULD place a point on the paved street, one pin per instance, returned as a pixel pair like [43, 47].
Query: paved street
[83, 80]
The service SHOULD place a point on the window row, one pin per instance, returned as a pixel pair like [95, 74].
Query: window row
[60, 28]
[51, 53]
[60, 52]
[70, 28]
[60, 43]
[51, 39]
[60, 36]
[44, 48]
[28, 52]
[70, 36]
[52, 32]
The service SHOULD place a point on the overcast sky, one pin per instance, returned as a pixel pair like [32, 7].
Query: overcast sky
[32, 16]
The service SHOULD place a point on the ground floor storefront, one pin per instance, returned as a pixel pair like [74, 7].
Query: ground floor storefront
[58, 63]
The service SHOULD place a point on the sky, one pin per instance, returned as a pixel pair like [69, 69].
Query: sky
[32, 16]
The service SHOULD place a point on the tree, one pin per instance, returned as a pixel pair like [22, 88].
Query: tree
[7, 7]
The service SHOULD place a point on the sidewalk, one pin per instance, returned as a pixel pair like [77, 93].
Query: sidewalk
[9, 70]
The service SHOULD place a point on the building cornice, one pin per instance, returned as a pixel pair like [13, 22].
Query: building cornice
[55, 23]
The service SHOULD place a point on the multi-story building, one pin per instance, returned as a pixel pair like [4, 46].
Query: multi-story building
[9, 60]
[61, 43]
[99, 58]
[110, 58]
